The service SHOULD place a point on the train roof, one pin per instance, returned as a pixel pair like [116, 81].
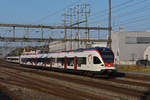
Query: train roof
[80, 50]
[12, 57]
[97, 48]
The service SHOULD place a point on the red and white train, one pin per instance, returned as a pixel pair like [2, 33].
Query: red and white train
[14, 59]
[98, 60]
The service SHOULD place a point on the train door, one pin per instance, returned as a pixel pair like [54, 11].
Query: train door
[75, 63]
[51, 62]
[32, 61]
[89, 60]
[36, 61]
[65, 62]
[45, 61]
[19, 59]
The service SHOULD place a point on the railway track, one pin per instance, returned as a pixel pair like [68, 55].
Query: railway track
[5, 94]
[69, 86]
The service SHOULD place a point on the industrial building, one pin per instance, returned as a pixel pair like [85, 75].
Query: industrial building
[129, 47]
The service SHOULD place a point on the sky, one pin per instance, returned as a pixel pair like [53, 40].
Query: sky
[50, 12]
[131, 15]
[39, 11]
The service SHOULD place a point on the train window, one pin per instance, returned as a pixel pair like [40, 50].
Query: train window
[13, 58]
[60, 61]
[30, 60]
[53, 60]
[70, 61]
[41, 59]
[22, 60]
[26, 60]
[34, 60]
[96, 60]
[47, 60]
[81, 60]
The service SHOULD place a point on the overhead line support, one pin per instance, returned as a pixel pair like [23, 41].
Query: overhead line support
[54, 27]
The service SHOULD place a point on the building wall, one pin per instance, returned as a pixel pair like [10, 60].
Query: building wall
[147, 53]
[60, 46]
[64, 46]
[128, 46]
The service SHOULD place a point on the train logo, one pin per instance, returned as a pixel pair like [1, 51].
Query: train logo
[90, 58]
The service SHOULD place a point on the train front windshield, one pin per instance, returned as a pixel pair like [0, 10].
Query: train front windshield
[107, 55]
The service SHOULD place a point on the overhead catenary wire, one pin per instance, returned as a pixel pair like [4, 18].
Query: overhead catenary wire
[54, 13]
[138, 26]
[98, 13]
[134, 12]
[103, 12]
[134, 21]
[114, 11]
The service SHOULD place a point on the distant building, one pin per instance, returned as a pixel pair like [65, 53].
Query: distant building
[63, 46]
[130, 46]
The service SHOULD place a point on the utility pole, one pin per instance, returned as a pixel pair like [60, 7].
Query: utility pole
[25, 33]
[78, 19]
[65, 30]
[98, 32]
[109, 27]
[86, 18]
[86, 23]
[77, 16]
[14, 32]
[42, 33]
[71, 26]
[78, 11]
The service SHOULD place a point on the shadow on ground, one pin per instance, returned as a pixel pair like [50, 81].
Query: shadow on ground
[145, 95]
[3, 96]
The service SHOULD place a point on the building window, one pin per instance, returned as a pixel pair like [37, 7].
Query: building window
[137, 40]
[130, 40]
[143, 40]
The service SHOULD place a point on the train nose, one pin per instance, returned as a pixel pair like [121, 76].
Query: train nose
[109, 64]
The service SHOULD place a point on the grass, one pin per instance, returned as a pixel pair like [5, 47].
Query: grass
[134, 68]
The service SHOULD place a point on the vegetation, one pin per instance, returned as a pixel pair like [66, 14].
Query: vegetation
[134, 68]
